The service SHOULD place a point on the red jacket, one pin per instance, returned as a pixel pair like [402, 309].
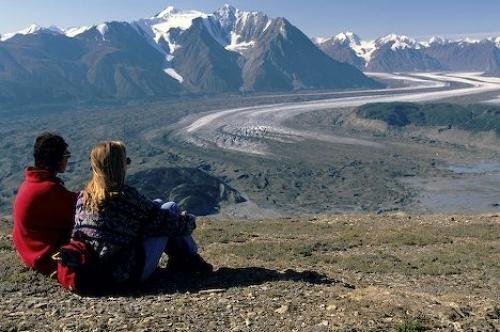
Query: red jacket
[44, 213]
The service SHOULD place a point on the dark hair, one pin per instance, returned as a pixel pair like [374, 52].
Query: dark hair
[48, 151]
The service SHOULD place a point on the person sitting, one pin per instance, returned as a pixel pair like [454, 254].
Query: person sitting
[126, 231]
[44, 209]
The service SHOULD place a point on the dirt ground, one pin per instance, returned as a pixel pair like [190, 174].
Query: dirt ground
[388, 272]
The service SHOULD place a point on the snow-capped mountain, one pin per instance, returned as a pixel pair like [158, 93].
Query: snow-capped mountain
[171, 53]
[32, 29]
[393, 53]
[400, 53]
[397, 42]
[347, 47]
[435, 40]
[241, 29]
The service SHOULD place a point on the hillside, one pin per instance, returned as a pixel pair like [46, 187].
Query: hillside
[474, 118]
[392, 272]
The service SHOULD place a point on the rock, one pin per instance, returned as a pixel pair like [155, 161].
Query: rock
[281, 310]
[493, 313]
[193, 189]
[40, 306]
[212, 291]
[331, 307]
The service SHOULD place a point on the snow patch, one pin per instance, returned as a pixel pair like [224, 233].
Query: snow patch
[102, 28]
[365, 50]
[497, 42]
[283, 30]
[175, 75]
[268, 24]
[319, 40]
[468, 40]
[73, 32]
[31, 29]
[237, 46]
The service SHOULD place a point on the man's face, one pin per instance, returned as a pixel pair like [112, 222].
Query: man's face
[64, 162]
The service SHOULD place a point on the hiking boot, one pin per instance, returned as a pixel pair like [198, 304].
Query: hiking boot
[193, 264]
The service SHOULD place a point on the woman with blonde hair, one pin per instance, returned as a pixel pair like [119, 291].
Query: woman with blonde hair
[126, 231]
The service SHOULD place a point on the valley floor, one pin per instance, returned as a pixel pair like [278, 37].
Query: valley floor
[325, 273]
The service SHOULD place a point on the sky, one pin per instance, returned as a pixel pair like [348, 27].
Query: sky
[369, 19]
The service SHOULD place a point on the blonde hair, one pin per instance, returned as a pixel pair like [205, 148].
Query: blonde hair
[108, 161]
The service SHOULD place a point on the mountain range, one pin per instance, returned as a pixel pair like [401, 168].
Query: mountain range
[172, 53]
[399, 53]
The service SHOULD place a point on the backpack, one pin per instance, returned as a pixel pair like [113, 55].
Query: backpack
[76, 267]
[80, 271]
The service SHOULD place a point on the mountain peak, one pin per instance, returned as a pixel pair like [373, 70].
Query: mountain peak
[173, 14]
[172, 17]
[226, 16]
[102, 28]
[468, 40]
[437, 40]
[347, 37]
[167, 12]
[32, 29]
[392, 37]
[397, 41]
[226, 8]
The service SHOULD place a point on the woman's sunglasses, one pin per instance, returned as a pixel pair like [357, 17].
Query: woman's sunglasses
[128, 161]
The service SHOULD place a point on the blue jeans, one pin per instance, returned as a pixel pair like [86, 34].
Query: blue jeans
[154, 247]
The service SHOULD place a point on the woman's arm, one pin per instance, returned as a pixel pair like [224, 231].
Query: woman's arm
[159, 222]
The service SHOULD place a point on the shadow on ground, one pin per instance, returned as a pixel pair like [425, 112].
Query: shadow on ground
[227, 277]
[166, 282]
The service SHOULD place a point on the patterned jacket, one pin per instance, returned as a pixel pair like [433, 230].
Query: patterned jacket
[116, 233]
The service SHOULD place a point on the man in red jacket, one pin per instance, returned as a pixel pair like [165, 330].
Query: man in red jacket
[44, 209]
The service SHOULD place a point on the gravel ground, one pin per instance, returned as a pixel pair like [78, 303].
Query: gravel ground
[326, 273]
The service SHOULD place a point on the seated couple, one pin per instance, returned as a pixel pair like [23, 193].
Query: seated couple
[126, 232]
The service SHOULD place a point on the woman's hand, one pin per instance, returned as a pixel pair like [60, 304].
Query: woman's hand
[189, 220]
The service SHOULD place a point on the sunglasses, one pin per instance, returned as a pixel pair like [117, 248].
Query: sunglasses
[128, 161]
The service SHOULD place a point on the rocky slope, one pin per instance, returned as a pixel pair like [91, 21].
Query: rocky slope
[325, 273]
